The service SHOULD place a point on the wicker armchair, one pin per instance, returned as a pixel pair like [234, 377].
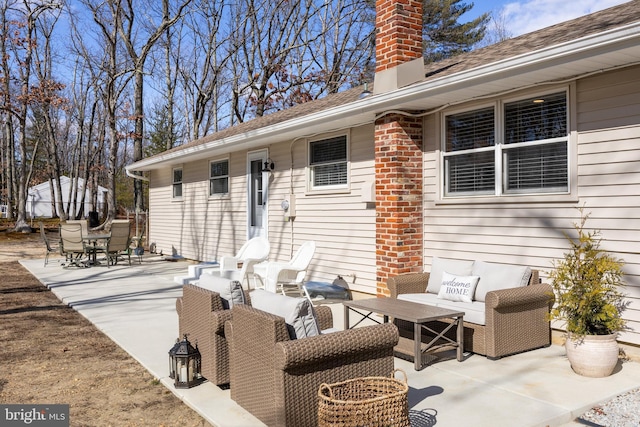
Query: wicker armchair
[201, 316]
[277, 379]
[516, 318]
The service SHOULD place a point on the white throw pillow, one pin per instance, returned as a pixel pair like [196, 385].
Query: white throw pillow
[230, 291]
[452, 266]
[458, 288]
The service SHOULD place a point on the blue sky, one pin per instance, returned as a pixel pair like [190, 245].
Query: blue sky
[529, 15]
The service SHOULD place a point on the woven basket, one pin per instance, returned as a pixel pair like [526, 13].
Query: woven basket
[367, 401]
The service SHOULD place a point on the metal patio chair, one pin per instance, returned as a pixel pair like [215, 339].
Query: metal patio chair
[51, 248]
[72, 244]
[119, 244]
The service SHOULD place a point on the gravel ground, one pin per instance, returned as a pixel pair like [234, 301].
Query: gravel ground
[621, 411]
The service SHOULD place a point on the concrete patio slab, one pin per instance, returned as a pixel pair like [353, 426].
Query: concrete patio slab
[135, 306]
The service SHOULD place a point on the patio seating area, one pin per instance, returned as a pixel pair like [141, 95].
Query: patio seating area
[80, 246]
[136, 307]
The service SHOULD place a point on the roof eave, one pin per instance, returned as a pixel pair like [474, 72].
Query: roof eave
[577, 57]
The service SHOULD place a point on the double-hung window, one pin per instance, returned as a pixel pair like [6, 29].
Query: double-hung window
[219, 178]
[328, 163]
[518, 147]
[177, 183]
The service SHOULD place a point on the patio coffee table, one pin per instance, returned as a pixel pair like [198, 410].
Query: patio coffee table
[419, 315]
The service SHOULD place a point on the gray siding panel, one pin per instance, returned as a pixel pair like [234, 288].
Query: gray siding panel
[203, 229]
[532, 233]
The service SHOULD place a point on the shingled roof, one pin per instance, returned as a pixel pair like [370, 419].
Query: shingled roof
[594, 23]
[598, 22]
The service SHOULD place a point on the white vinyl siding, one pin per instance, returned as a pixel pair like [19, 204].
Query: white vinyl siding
[512, 147]
[604, 159]
[341, 224]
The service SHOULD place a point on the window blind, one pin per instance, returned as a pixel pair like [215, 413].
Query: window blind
[328, 161]
[471, 173]
[473, 129]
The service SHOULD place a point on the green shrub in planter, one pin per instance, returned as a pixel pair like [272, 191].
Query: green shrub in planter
[587, 283]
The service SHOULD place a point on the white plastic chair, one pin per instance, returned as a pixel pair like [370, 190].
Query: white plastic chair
[240, 267]
[276, 276]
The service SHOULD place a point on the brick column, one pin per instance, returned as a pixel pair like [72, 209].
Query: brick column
[399, 211]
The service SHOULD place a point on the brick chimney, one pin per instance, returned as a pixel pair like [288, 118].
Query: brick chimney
[398, 144]
[398, 44]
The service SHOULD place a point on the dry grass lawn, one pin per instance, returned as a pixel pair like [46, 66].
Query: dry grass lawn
[51, 354]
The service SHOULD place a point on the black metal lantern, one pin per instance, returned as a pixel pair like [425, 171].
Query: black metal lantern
[269, 166]
[187, 363]
[172, 359]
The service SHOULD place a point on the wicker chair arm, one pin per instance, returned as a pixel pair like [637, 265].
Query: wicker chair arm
[324, 315]
[525, 295]
[218, 319]
[337, 345]
[407, 283]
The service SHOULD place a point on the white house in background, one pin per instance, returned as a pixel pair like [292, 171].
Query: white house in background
[484, 156]
[39, 198]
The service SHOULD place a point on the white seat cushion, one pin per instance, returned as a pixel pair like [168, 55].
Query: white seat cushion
[298, 313]
[473, 311]
[230, 291]
[494, 276]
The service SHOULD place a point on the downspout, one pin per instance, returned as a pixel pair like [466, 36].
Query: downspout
[134, 176]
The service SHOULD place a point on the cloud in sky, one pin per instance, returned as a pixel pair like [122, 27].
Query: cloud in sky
[526, 16]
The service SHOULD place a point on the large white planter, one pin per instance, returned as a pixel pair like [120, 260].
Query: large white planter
[593, 355]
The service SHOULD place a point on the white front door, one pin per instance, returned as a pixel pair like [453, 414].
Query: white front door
[257, 194]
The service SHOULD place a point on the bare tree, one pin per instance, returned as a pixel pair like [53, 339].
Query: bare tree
[110, 83]
[265, 39]
[129, 28]
[8, 135]
[51, 103]
[497, 30]
[204, 68]
[342, 56]
[22, 46]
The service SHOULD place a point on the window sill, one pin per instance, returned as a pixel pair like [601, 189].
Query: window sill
[328, 191]
[510, 199]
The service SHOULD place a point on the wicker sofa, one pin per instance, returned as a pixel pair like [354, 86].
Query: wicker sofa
[515, 318]
[277, 378]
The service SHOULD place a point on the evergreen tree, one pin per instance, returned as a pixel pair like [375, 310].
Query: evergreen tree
[443, 35]
[161, 136]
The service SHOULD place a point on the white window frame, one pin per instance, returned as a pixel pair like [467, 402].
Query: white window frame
[329, 188]
[500, 148]
[211, 178]
[175, 184]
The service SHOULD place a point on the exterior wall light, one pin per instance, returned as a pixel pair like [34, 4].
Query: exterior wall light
[269, 166]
